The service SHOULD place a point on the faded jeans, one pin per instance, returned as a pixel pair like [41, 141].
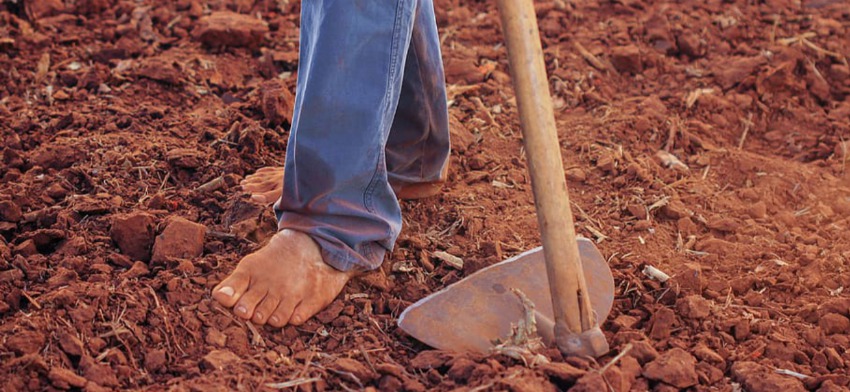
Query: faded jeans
[370, 108]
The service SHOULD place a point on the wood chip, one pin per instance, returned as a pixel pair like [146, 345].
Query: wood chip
[591, 58]
[670, 161]
[655, 273]
[449, 259]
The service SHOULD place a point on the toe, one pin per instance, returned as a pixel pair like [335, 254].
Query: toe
[231, 289]
[305, 310]
[270, 196]
[269, 169]
[250, 184]
[248, 303]
[265, 309]
[280, 317]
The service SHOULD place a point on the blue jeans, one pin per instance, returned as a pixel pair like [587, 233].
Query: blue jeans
[370, 108]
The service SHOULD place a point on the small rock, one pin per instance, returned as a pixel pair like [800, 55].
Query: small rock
[637, 210]
[709, 374]
[691, 45]
[624, 322]
[675, 367]
[643, 352]
[70, 344]
[430, 359]
[26, 248]
[12, 275]
[231, 29]
[833, 359]
[359, 370]
[693, 307]
[706, 354]
[562, 371]
[724, 224]
[62, 277]
[674, 210]
[662, 322]
[185, 158]
[45, 8]
[277, 103]
[9, 211]
[216, 338]
[330, 313]
[138, 270]
[591, 382]
[461, 369]
[734, 70]
[65, 379]
[134, 234]
[829, 386]
[25, 342]
[627, 59]
[576, 175]
[834, 323]
[100, 373]
[119, 260]
[181, 239]
[390, 383]
[218, 360]
[757, 378]
[757, 210]
[155, 360]
[690, 278]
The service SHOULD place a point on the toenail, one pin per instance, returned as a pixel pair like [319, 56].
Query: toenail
[241, 309]
[258, 316]
[296, 320]
[228, 291]
[274, 320]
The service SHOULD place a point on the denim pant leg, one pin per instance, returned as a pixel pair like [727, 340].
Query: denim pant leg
[418, 145]
[335, 186]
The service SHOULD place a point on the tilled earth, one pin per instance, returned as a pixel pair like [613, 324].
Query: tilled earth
[707, 139]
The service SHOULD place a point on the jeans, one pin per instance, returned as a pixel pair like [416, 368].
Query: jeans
[370, 108]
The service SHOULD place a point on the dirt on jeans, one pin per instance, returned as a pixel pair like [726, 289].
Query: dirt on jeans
[707, 139]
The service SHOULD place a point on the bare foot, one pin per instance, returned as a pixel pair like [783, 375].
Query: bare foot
[266, 185]
[285, 282]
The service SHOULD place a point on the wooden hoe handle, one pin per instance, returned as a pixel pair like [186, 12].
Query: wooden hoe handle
[576, 329]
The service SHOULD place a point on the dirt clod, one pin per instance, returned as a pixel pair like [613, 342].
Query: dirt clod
[358, 369]
[833, 323]
[25, 342]
[693, 307]
[65, 379]
[70, 344]
[226, 28]
[134, 234]
[181, 239]
[675, 367]
[757, 378]
[627, 59]
[219, 359]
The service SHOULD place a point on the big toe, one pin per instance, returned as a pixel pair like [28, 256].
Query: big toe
[230, 290]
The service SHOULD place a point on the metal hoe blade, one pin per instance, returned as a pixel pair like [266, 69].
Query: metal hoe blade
[472, 313]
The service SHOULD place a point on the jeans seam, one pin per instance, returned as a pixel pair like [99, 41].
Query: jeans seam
[421, 81]
[391, 74]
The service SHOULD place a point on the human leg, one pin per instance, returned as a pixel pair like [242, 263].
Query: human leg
[336, 191]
